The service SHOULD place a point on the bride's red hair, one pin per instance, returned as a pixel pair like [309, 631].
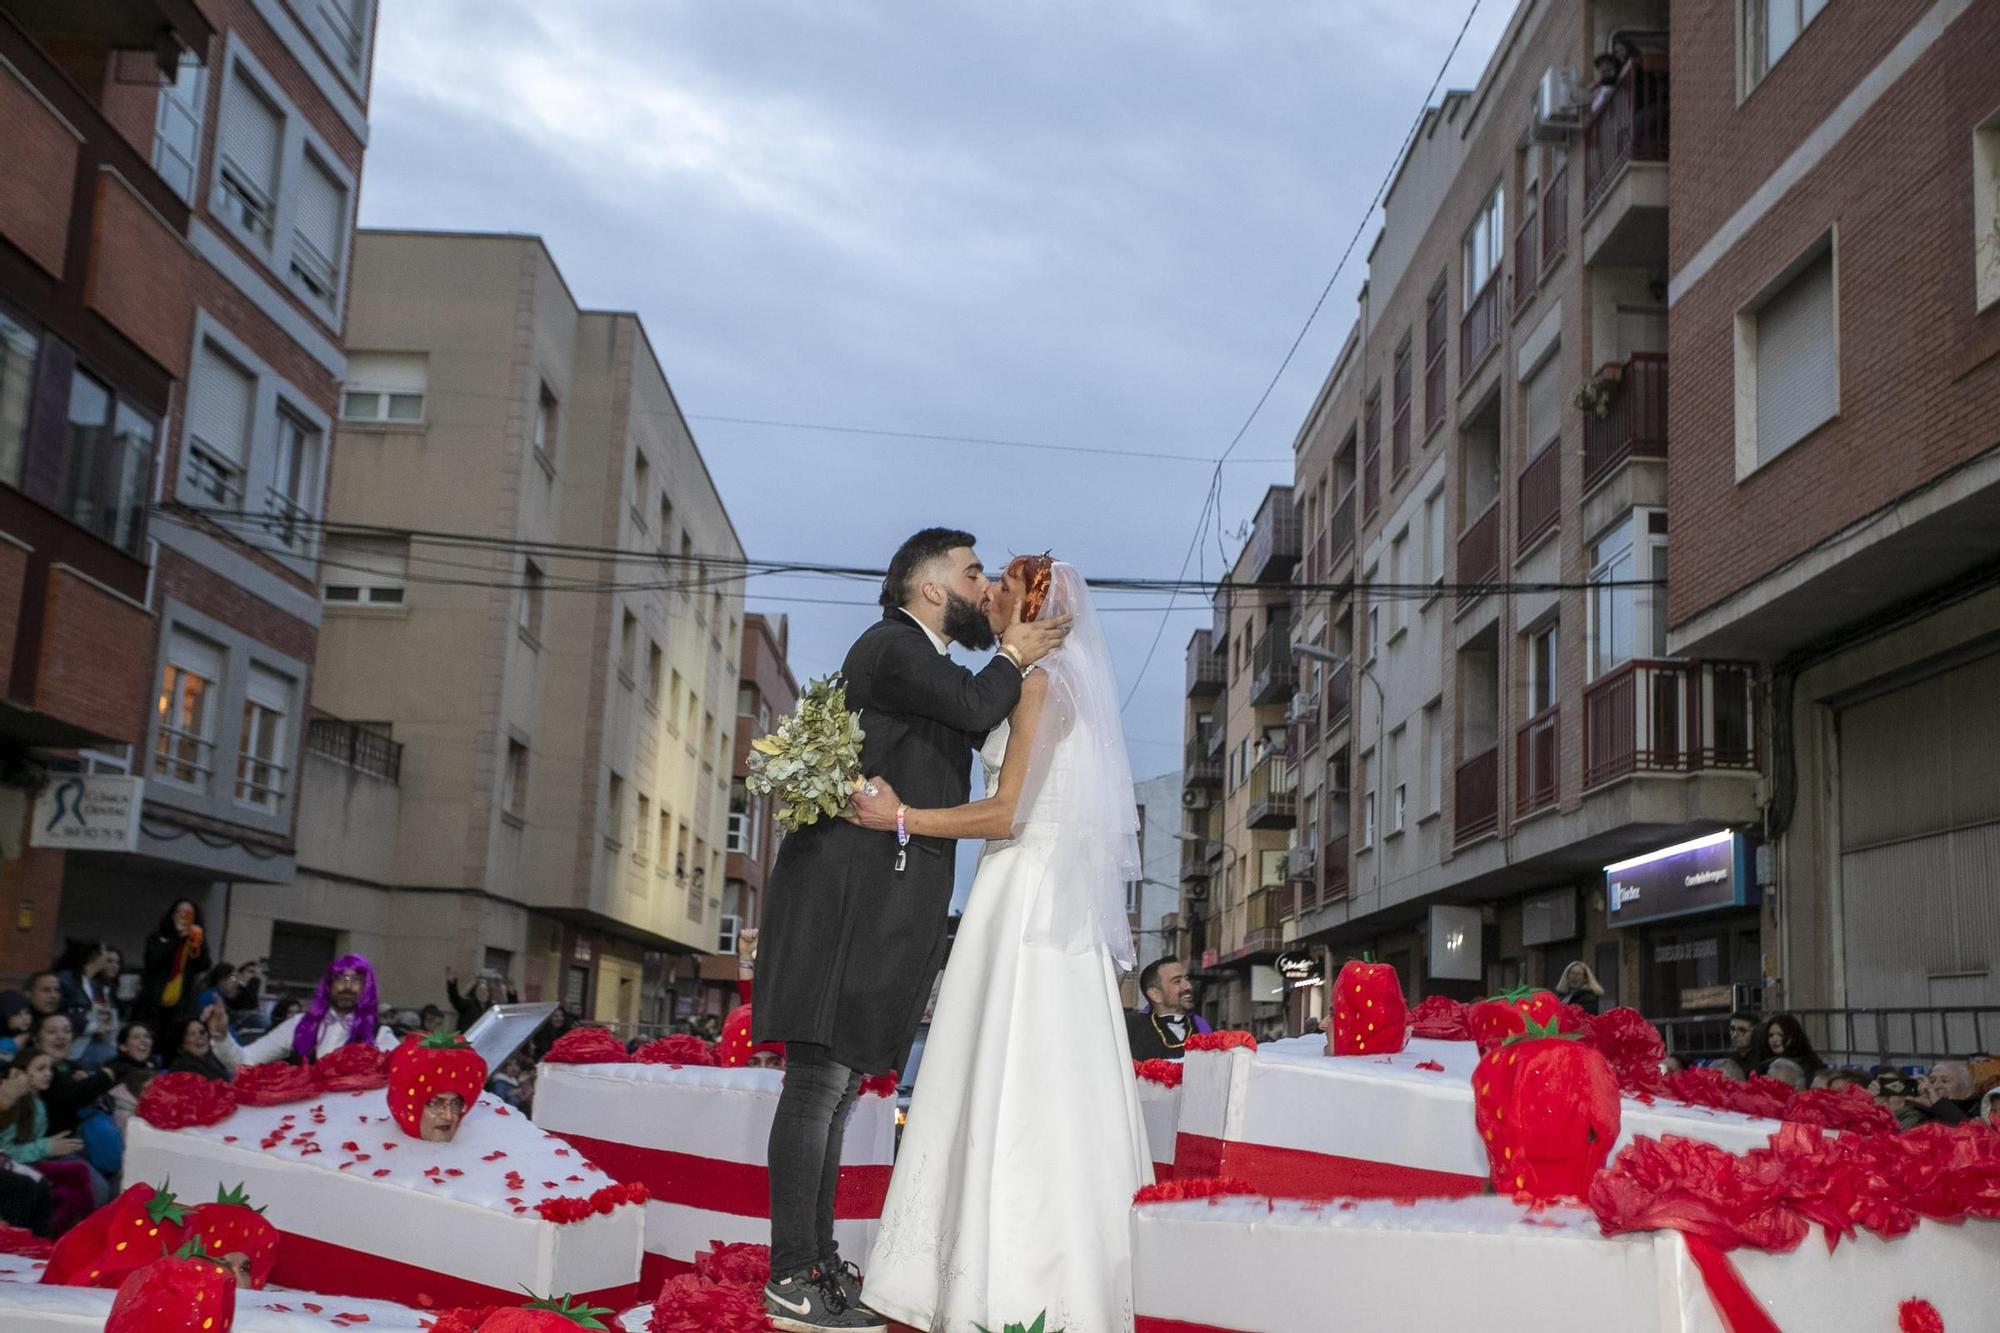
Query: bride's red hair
[1035, 572]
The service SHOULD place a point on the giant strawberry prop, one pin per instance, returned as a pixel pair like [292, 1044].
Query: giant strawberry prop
[1496, 1018]
[231, 1226]
[186, 1293]
[563, 1315]
[424, 1067]
[1368, 1013]
[1546, 1106]
[131, 1231]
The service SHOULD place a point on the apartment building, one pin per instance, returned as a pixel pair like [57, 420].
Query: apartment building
[1153, 900]
[559, 667]
[1488, 717]
[1834, 482]
[172, 289]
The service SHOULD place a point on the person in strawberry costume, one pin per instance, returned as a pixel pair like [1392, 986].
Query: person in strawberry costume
[237, 1235]
[559, 1315]
[187, 1292]
[132, 1230]
[1547, 1108]
[433, 1081]
[735, 1049]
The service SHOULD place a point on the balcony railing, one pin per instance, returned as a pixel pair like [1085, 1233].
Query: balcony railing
[1537, 754]
[1654, 715]
[1273, 793]
[1339, 695]
[1333, 870]
[1263, 921]
[1525, 267]
[1476, 796]
[1274, 541]
[1301, 893]
[1340, 533]
[1274, 673]
[1194, 860]
[1479, 330]
[1205, 674]
[1634, 425]
[1540, 489]
[1399, 424]
[1479, 554]
[1631, 126]
[1437, 320]
[1555, 218]
[358, 748]
[1201, 767]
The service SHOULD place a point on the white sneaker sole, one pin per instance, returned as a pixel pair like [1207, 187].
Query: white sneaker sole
[799, 1326]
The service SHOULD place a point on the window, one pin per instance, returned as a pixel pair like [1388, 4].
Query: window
[1367, 800]
[346, 22]
[642, 486]
[1374, 630]
[739, 817]
[655, 674]
[1769, 29]
[107, 459]
[707, 740]
[319, 237]
[1544, 404]
[385, 387]
[663, 841]
[366, 571]
[674, 702]
[614, 812]
[261, 752]
[666, 521]
[19, 346]
[253, 135]
[530, 613]
[1627, 620]
[628, 648]
[746, 700]
[1541, 661]
[1531, 195]
[1398, 799]
[1392, 777]
[292, 501]
[1399, 575]
[642, 829]
[183, 749]
[1435, 316]
[220, 401]
[546, 422]
[177, 126]
[1481, 249]
[1433, 775]
[1986, 213]
[1787, 365]
[514, 781]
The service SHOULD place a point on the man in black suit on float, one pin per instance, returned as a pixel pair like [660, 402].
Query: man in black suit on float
[854, 923]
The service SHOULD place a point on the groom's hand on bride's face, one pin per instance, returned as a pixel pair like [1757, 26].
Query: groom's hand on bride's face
[1036, 639]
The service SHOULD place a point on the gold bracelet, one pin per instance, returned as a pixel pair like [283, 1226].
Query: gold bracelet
[1013, 654]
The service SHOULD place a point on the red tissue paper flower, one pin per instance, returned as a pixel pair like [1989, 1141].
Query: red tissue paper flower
[734, 1263]
[568, 1208]
[1918, 1316]
[680, 1048]
[175, 1101]
[1440, 1018]
[1166, 1073]
[587, 1046]
[691, 1303]
[881, 1085]
[273, 1085]
[17, 1240]
[356, 1068]
[1631, 1044]
[1191, 1187]
[1220, 1041]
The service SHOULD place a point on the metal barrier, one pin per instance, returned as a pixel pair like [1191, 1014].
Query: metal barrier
[1864, 1037]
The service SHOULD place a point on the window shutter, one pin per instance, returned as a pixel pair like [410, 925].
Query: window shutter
[362, 562]
[268, 689]
[322, 211]
[387, 372]
[252, 130]
[1797, 374]
[1544, 403]
[220, 406]
[196, 655]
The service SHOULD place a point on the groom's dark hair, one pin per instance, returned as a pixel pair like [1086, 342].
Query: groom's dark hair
[913, 555]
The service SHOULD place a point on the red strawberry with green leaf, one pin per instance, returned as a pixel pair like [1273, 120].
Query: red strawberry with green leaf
[231, 1226]
[1369, 1017]
[1501, 1016]
[131, 1231]
[424, 1067]
[559, 1315]
[187, 1292]
[1547, 1108]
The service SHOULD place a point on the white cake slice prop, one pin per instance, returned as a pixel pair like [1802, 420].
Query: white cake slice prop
[28, 1307]
[1160, 1106]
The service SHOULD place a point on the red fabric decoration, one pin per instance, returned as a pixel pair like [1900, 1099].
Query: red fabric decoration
[881, 1085]
[175, 1101]
[273, 1085]
[587, 1046]
[690, 1303]
[15, 1240]
[358, 1067]
[681, 1048]
[734, 1263]
[1918, 1316]
[1849, 1108]
[1166, 1073]
[1499, 1017]
[1192, 1187]
[1440, 1018]
[1547, 1109]
[1368, 1013]
[1219, 1041]
[1735, 1304]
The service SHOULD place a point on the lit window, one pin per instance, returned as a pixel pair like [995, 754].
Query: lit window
[260, 762]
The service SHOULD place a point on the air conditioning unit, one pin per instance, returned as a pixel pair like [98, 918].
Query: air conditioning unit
[1303, 708]
[1337, 780]
[1558, 106]
[1196, 891]
[1194, 798]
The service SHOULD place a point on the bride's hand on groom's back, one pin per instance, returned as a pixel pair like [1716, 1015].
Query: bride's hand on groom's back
[873, 805]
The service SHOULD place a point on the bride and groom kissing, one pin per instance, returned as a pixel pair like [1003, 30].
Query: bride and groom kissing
[1024, 1143]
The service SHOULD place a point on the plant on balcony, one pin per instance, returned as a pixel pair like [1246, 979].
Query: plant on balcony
[1594, 397]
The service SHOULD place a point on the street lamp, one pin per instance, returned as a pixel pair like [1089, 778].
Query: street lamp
[1313, 652]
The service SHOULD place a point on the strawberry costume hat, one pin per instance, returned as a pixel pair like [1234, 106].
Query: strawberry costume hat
[735, 1048]
[423, 1067]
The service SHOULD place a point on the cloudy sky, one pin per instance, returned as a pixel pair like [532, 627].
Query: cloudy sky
[1094, 224]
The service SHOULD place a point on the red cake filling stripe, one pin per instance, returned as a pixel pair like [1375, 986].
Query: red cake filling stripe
[310, 1265]
[742, 1189]
[1149, 1324]
[1293, 1173]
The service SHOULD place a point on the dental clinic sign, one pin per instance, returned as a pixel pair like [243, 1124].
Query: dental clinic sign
[88, 812]
[1704, 875]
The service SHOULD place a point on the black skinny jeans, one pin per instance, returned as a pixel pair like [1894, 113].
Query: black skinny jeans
[806, 1135]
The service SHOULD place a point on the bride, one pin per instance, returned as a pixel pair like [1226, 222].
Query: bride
[1024, 1146]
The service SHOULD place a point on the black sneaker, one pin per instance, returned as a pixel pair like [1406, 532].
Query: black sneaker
[844, 1277]
[810, 1302]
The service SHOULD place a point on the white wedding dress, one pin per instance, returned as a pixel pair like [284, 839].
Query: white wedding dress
[1013, 1185]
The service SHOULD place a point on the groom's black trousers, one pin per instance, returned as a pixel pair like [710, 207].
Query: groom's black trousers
[806, 1136]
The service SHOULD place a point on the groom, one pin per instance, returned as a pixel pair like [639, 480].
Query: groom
[854, 923]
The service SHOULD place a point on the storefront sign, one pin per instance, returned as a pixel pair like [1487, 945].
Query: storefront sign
[1705, 875]
[1708, 997]
[88, 812]
[1687, 951]
[1299, 968]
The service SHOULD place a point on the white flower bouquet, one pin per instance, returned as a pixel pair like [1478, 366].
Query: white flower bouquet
[812, 762]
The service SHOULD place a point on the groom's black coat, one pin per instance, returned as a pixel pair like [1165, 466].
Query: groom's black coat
[850, 946]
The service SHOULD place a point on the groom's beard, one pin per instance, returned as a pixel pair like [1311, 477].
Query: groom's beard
[966, 625]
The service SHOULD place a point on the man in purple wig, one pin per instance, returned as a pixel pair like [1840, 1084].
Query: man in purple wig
[343, 1012]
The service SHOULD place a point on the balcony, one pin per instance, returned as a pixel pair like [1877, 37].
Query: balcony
[1313, 569]
[1340, 533]
[1537, 759]
[1273, 793]
[1479, 330]
[1667, 716]
[1540, 492]
[1301, 893]
[1195, 861]
[1479, 555]
[1274, 541]
[1555, 219]
[1634, 423]
[1206, 675]
[354, 747]
[1274, 673]
[1525, 267]
[1399, 423]
[1333, 870]
[1339, 695]
[1624, 169]
[1202, 766]
[1263, 923]
[1476, 797]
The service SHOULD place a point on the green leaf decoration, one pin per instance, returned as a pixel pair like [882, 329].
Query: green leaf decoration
[235, 1198]
[1039, 1326]
[163, 1207]
[1533, 1031]
[566, 1305]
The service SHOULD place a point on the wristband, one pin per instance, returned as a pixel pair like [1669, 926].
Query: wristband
[902, 826]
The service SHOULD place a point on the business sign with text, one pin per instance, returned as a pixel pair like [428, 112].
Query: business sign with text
[1707, 874]
[88, 812]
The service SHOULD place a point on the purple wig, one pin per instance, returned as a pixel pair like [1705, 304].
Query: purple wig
[305, 1038]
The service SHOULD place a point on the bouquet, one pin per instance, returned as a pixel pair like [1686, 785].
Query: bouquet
[813, 760]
